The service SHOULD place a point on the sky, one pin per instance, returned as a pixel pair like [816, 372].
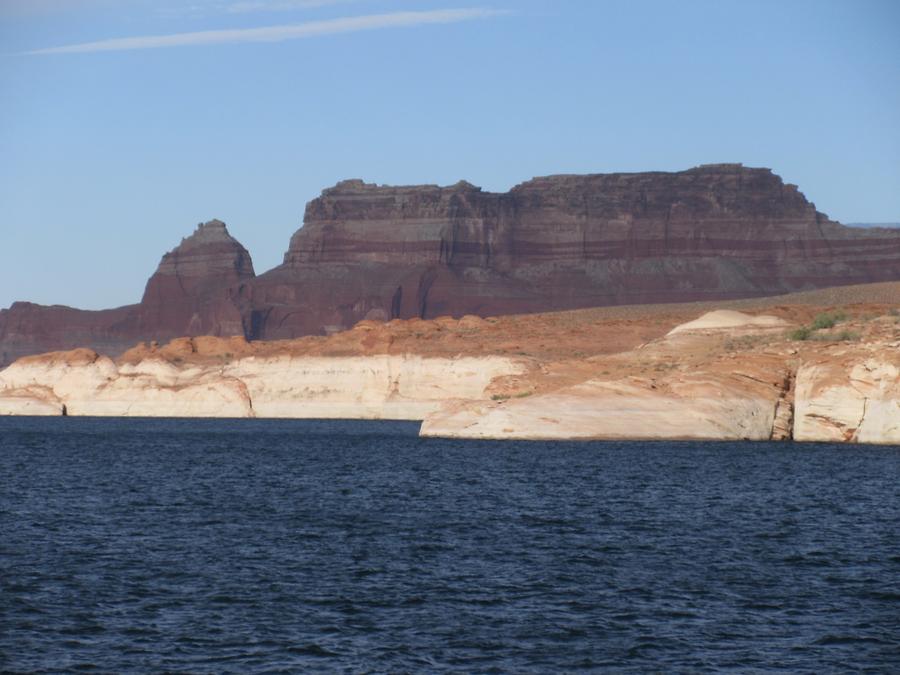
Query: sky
[124, 123]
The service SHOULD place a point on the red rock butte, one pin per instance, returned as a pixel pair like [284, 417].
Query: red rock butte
[367, 251]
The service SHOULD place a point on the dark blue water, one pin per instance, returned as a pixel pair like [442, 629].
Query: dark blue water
[262, 546]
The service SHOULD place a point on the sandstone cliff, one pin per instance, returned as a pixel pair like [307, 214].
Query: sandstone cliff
[191, 291]
[851, 394]
[800, 366]
[559, 242]
[406, 387]
[189, 294]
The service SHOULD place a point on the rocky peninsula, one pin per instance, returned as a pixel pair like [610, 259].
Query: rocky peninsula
[816, 366]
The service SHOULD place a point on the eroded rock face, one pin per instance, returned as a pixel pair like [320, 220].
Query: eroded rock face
[852, 396]
[381, 386]
[189, 294]
[688, 395]
[717, 408]
[560, 242]
[662, 373]
[27, 328]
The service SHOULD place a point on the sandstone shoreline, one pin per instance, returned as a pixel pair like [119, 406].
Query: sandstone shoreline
[670, 373]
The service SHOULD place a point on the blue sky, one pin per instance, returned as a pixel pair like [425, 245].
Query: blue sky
[113, 148]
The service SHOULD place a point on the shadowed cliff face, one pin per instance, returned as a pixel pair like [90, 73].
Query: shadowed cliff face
[190, 292]
[187, 295]
[559, 242]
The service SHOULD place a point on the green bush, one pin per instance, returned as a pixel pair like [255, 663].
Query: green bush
[828, 320]
[506, 397]
[800, 334]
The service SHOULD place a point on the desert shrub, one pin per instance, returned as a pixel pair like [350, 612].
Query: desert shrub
[506, 397]
[828, 320]
[745, 342]
[840, 336]
[802, 333]
[848, 335]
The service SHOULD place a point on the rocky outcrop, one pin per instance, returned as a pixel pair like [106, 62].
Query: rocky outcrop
[852, 395]
[700, 407]
[589, 374]
[370, 252]
[27, 328]
[722, 400]
[560, 242]
[81, 382]
[723, 376]
[729, 320]
[191, 293]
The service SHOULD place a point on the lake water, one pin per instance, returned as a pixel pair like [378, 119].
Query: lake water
[288, 546]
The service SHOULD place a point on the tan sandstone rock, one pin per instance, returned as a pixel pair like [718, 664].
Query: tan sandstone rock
[852, 397]
[731, 320]
[371, 387]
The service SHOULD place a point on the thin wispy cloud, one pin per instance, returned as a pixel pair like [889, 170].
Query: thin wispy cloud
[279, 33]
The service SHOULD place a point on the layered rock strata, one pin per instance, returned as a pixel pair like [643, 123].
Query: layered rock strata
[191, 293]
[670, 388]
[404, 387]
[560, 242]
[622, 373]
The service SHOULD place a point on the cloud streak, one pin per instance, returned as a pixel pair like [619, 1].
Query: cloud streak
[279, 33]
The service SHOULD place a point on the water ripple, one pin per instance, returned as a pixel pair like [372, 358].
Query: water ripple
[287, 546]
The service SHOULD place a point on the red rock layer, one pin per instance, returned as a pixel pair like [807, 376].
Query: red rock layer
[189, 294]
[560, 242]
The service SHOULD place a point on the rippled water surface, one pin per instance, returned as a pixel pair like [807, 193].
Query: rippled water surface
[249, 546]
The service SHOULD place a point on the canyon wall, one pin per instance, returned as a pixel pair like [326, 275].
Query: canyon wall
[560, 242]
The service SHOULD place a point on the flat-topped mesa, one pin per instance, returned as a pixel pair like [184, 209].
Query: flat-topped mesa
[188, 294]
[720, 210]
[559, 242]
[367, 251]
[708, 191]
[410, 221]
